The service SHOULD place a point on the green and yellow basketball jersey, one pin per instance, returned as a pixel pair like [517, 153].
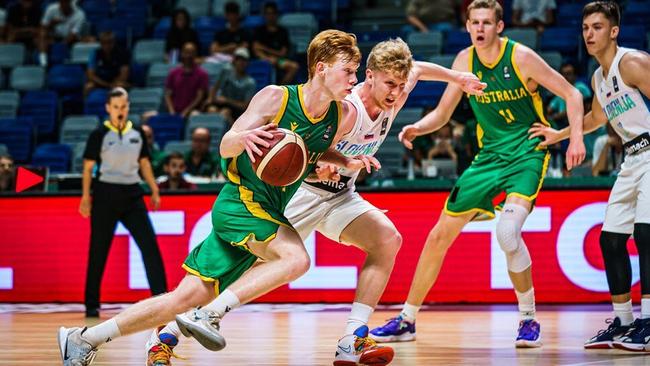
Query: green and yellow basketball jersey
[507, 108]
[317, 133]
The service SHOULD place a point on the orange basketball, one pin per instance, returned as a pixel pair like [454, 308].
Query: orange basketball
[284, 162]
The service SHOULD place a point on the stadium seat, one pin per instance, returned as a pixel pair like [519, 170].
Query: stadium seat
[55, 156]
[18, 135]
[525, 36]
[148, 51]
[404, 117]
[569, 15]
[443, 60]
[162, 27]
[81, 52]
[157, 74]
[4, 150]
[41, 107]
[455, 41]
[301, 27]
[77, 162]
[251, 22]
[9, 102]
[95, 103]
[12, 54]
[206, 27]
[284, 6]
[560, 39]
[24, 78]
[552, 58]
[76, 129]
[636, 12]
[425, 93]
[632, 36]
[96, 10]
[196, 8]
[263, 73]
[425, 45]
[215, 70]
[214, 122]
[145, 100]
[218, 5]
[166, 127]
[178, 146]
[58, 53]
[66, 78]
[370, 38]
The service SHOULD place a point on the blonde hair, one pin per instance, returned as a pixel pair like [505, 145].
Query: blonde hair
[486, 4]
[392, 56]
[329, 44]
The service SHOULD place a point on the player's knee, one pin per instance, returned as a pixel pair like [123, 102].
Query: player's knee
[439, 239]
[508, 235]
[296, 264]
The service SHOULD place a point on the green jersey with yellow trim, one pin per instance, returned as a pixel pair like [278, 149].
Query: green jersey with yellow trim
[263, 199]
[507, 108]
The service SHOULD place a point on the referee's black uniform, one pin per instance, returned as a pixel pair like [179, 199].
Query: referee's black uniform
[117, 196]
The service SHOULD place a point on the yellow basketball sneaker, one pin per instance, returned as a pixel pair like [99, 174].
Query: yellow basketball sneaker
[359, 349]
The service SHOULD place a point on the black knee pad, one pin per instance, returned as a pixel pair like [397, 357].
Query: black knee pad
[617, 261]
[642, 241]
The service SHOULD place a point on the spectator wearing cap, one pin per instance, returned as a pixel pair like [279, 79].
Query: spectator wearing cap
[7, 173]
[174, 170]
[187, 85]
[120, 150]
[231, 94]
[230, 39]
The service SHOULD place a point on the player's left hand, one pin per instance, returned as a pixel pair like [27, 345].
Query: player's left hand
[328, 172]
[576, 152]
[470, 83]
[361, 161]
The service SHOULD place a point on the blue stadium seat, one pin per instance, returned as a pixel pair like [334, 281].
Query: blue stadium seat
[284, 6]
[148, 51]
[632, 36]
[370, 38]
[214, 122]
[425, 94]
[145, 100]
[12, 54]
[18, 135]
[24, 78]
[455, 41]
[157, 74]
[443, 60]
[206, 27]
[252, 21]
[41, 107]
[55, 156]
[214, 70]
[75, 129]
[66, 78]
[9, 102]
[425, 45]
[561, 39]
[525, 36]
[58, 53]
[95, 103]
[162, 27]
[167, 127]
[96, 10]
[263, 73]
[196, 8]
[81, 52]
[637, 12]
[569, 15]
[301, 27]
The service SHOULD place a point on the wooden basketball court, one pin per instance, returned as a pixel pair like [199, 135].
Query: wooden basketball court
[301, 335]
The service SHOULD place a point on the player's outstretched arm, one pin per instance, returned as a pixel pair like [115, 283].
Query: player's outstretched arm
[592, 121]
[534, 67]
[252, 127]
[467, 81]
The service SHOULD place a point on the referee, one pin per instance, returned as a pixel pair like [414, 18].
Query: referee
[119, 149]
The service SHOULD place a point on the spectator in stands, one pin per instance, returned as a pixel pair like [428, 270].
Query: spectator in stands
[608, 154]
[23, 22]
[271, 43]
[533, 13]
[108, 66]
[427, 15]
[174, 169]
[233, 37]
[157, 155]
[187, 85]
[443, 146]
[62, 21]
[180, 33]
[7, 173]
[231, 94]
[200, 161]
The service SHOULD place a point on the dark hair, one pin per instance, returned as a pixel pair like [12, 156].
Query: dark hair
[271, 5]
[173, 155]
[231, 7]
[609, 9]
[188, 18]
[116, 93]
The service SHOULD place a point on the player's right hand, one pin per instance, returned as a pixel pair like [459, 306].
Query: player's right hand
[329, 172]
[551, 136]
[408, 134]
[84, 207]
[251, 139]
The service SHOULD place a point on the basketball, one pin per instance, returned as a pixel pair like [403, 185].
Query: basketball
[284, 161]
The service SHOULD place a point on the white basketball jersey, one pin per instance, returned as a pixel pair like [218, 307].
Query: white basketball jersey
[364, 139]
[624, 106]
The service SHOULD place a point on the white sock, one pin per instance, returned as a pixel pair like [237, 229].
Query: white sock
[102, 333]
[526, 302]
[645, 308]
[409, 312]
[225, 302]
[359, 316]
[623, 311]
